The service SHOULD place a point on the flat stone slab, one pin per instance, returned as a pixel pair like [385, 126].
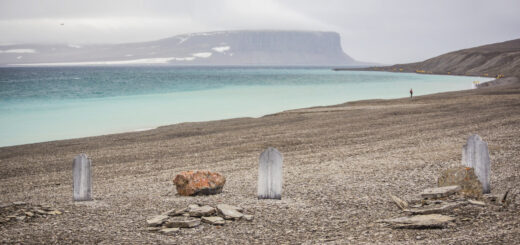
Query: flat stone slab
[169, 231]
[157, 220]
[213, 220]
[428, 221]
[199, 211]
[229, 212]
[182, 222]
[435, 209]
[475, 202]
[440, 192]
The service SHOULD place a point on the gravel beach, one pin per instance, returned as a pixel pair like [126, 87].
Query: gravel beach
[340, 165]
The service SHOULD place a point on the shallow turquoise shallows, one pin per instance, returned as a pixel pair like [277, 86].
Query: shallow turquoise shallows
[52, 103]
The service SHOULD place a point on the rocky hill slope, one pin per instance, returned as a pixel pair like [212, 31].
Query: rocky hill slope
[236, 48]
[493, 60]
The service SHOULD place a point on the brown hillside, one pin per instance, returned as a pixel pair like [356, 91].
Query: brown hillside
[490, 60]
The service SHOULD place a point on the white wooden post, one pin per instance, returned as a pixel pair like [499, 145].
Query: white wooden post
[81, 170]
[270, 174]
[475, 154]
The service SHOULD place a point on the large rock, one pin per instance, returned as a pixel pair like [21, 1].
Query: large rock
[190, 183]
[419, 221]
[465, 178]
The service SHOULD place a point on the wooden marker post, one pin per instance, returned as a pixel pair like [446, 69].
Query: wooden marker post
[81, 170]
[475, 154]
[270, 174]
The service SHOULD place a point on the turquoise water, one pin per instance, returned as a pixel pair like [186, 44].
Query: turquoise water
[51, 103]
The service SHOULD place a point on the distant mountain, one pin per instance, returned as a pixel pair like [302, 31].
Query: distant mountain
[229, 48]
[498, 59]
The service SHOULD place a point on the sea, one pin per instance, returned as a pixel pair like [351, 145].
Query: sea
[40, 104]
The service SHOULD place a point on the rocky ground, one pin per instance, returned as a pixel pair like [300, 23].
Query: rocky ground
[340, 165]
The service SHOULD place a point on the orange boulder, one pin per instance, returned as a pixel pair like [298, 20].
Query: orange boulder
[191, 183]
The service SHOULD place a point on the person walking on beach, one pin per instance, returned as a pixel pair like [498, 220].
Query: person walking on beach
[411, 93]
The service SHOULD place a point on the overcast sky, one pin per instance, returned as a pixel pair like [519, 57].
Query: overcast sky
[378, 31]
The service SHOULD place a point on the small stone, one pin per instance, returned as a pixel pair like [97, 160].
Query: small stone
[5, 205]
[18, 203]
[47, 208]
[478, 203]
[54, 212]
[20, 218]
[419, 221]
[399, 202]
[196, 211]
[190, 183]
[39, 211]
[169, 231]
[440, 192]
[490, 197]
[30, 214]
[157, 220]
[229, 212]
[153, 229]
[182, 222]
[248, 217]
[213, 220]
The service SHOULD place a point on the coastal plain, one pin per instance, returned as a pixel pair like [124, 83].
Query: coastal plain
[340, 164]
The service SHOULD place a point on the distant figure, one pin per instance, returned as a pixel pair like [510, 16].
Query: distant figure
[411, 93]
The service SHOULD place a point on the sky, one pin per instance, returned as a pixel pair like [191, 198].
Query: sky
[386, 32]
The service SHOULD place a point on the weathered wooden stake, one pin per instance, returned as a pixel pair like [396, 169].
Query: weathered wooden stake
[81, 170]
[475, 154]
[270, 174]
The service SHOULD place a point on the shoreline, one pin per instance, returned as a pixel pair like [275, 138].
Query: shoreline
[340, 164]
[509, 80]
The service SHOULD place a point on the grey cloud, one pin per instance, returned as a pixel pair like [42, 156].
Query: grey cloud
[378, 31]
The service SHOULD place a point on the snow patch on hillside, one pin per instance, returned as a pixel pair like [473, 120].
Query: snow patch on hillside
[221, 49]
[116, 62]
[18, 51]
[202, 54]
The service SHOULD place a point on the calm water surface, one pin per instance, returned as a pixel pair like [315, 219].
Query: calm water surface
[51, 103]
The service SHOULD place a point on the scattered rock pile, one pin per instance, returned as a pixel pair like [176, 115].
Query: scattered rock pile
[439, 207]
[21, 211]
[192, 216]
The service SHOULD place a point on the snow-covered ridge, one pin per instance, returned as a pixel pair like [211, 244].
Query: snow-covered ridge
[117, 62]
[233, 48]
